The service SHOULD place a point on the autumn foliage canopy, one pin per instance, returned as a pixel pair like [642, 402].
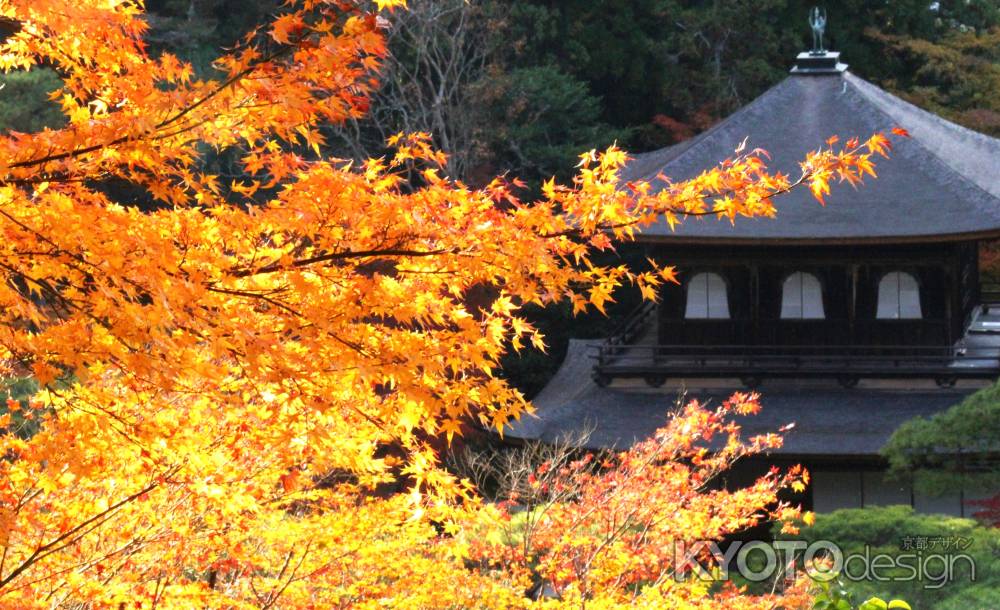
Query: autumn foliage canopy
[247, 381]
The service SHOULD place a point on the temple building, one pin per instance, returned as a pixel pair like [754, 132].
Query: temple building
[849, 319]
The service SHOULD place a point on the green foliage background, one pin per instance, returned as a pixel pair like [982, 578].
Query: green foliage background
[24, 101]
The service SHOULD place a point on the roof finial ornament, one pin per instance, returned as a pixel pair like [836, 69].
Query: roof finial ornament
[817, 21]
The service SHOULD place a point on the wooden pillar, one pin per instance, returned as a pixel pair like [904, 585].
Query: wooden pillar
[953, 292]
[853, 304]
[977, 283]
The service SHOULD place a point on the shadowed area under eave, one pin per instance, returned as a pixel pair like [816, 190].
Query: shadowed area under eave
[941, 183]
[828, 421]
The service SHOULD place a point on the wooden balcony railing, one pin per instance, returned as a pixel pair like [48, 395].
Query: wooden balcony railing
[826, 332]
[752, 363]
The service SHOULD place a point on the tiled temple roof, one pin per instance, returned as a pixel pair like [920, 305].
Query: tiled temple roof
[829, 421]
[943, 183]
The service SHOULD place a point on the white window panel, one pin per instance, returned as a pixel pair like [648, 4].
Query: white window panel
[707, 298]
[802, 297]
[898, 297]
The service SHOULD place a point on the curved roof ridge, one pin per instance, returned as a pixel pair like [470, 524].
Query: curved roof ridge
[881, 99]
[571, 383]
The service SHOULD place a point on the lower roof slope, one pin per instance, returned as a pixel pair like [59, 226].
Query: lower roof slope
[942, 183]
[829, 423]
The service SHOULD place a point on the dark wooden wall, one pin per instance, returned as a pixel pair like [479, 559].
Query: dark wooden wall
[947, 274]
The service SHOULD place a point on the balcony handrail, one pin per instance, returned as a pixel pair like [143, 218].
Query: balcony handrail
[846, 357]
[846, 363]
[741, 348]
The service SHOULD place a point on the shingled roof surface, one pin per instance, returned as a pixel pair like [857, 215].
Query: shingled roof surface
[943, 183]
[828, 422]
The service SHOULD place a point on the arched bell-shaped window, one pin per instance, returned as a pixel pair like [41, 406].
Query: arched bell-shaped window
[898, 297]
[706, 297]
[802, 297]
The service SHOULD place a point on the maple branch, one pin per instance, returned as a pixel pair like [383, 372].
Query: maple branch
[8, 28]
[677, 206]
[83, 528]
[230, 82]
[263, 297]
[273, 596]
[332, 256]
[164, 123]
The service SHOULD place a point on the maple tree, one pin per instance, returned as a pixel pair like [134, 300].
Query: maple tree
[609, 532]
[242, 384]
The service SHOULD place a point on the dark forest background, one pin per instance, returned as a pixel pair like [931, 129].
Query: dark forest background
[524, 86]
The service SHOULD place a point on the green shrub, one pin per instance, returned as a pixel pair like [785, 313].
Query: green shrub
[897, 530]
[975, 597]
[24, 101]
[21, 390]
[833, 596]
[951, 450]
